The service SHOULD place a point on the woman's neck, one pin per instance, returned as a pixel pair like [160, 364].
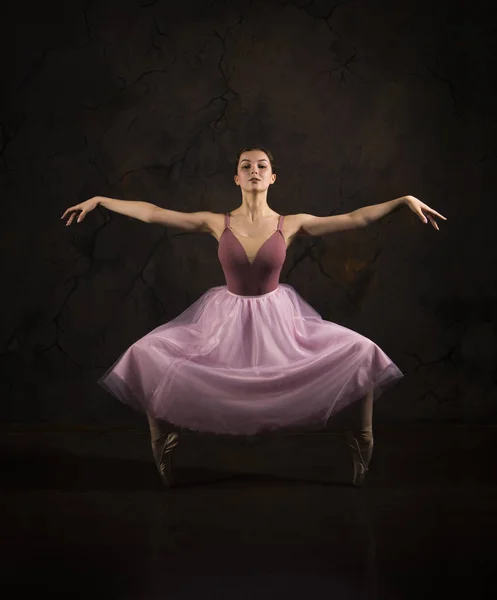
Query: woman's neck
[254, 209]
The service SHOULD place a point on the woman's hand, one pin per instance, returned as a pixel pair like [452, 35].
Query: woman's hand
[85, 207]
[423, 211]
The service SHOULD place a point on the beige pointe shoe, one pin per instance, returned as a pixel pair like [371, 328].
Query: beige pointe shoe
[361, 446]
[164, 462]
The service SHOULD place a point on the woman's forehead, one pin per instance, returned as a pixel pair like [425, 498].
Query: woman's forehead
[255, 156]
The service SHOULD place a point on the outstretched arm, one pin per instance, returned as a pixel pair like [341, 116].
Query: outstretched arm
[130, 208]
[366, 215]
[369, 214]
[136, 209]
[143, 211]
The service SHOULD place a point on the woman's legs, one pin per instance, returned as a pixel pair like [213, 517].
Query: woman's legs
[164, 440]
[356, 419]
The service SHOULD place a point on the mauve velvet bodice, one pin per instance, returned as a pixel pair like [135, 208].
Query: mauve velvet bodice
[260, 277]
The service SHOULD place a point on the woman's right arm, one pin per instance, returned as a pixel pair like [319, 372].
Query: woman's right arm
[150, 213]
[131, 208]
[143, 211]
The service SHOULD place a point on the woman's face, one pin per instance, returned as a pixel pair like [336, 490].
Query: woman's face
[254, 171]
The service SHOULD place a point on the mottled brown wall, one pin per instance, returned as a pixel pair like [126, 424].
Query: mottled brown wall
[361, 102]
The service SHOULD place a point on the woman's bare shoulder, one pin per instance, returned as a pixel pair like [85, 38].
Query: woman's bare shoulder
[294, 224]
[214, 223]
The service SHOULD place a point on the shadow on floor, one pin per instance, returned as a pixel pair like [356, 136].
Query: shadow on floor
[60, 470]
[87, 516]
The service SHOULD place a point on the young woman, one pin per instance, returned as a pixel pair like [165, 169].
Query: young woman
[252, 355]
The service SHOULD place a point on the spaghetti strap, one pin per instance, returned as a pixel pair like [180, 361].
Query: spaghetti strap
[280, 221]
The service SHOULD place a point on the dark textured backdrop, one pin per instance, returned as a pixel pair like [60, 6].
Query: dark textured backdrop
[361, 102]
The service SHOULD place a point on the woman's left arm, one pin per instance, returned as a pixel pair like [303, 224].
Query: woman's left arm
[368, 214]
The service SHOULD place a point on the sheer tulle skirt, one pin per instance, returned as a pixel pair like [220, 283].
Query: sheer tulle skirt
[245, 364]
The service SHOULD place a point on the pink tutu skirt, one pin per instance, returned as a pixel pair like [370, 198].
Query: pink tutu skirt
[242, 365]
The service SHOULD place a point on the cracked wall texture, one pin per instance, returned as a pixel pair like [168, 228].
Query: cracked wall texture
[361, 102]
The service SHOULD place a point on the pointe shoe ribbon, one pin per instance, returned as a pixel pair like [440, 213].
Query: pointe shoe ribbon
[360, 465]
[165, 464]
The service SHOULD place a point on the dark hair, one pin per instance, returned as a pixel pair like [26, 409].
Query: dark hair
[269, 155]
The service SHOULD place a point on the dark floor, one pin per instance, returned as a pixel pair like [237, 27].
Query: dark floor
[84, 515]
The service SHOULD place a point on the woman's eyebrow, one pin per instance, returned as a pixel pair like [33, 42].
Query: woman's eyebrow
[260, 160]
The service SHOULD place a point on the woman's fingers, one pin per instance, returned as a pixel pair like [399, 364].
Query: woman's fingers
[71, 219]
[433, 222]
[67, 212]
[427, 218]
[425, 213]
[71, 210]
[434, 212]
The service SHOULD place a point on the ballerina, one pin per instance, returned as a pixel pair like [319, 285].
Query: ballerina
[252, 355]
